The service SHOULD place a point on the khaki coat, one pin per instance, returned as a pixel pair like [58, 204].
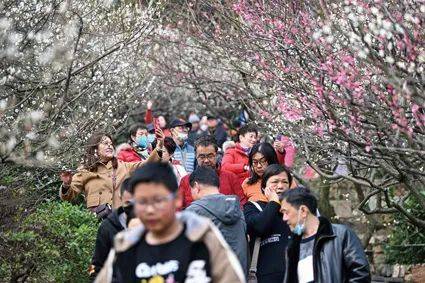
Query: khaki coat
[98, 187]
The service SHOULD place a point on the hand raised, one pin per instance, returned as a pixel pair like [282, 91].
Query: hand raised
[160, 137]
[279, 146]
[66, 178]
[271, 194]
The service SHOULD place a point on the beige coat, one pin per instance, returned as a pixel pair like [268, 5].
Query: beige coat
[225, 267]
[98, 186]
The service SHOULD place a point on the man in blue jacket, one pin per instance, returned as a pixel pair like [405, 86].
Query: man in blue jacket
[320, 252]
[185, 153]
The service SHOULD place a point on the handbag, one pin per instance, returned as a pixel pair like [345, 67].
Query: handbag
[252, 273]
[102, 211]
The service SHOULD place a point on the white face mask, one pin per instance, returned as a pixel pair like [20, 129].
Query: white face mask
[204, 127]
[182, 136]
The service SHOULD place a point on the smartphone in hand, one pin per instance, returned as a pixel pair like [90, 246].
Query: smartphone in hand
[157, 127]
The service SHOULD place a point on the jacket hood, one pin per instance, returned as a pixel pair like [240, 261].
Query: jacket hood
[225, 207]
[123, 147]
[196, 227]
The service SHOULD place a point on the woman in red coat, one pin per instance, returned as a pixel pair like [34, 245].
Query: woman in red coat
[236, 159]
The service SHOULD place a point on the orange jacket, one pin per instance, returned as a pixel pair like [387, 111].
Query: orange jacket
[253, 192]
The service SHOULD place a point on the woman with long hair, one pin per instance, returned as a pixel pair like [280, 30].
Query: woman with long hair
[101, 174]
[261, 156]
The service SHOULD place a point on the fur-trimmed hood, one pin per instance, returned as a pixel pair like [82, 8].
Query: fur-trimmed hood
[196, 227]
[225, 267]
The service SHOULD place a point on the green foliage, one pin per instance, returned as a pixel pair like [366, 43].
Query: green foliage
[53, 244]
[407, 242]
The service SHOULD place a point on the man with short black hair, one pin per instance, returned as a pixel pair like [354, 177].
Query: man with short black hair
[206, 153]
[236, 159]
[319, 251]
[224, 211]
[136, 148]
[168, 247]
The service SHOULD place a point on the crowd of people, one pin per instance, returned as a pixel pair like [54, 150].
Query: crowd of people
[191, 201]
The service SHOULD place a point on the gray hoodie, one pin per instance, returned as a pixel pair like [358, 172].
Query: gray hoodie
[225, 212]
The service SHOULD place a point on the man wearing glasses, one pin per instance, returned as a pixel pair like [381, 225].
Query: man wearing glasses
[169, 246]
[206, 153]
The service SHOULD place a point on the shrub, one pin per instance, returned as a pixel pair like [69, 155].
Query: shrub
[53, 244]
[407, 243]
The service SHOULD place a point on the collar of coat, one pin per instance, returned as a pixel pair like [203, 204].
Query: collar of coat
[108, 165]
[241, 150]
[186, 145]
[324, 231]
[196, 227]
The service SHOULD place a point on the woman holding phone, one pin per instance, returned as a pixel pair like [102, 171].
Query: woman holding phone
[101, 174]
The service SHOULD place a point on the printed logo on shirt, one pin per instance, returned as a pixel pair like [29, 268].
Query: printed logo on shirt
[145, 271]
[163, 272]
[272, 239]
[159, 279]
[196, 272]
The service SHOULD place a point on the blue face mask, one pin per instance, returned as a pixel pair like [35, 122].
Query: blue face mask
[299, 228]
[151, 138]
[142, 141]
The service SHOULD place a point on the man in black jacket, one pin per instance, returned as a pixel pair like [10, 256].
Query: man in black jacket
[116, 222]
[320, 252]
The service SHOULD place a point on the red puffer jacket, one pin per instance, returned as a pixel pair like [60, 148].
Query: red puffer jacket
[234, 160]
[229, 185]
[126, 153]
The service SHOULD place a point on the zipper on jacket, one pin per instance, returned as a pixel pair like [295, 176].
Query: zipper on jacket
[316, 256]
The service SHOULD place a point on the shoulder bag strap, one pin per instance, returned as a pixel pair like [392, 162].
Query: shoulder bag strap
[256, 205]
[256, 251]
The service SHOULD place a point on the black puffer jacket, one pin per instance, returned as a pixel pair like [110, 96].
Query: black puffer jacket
[104, 241]
[338, 256]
